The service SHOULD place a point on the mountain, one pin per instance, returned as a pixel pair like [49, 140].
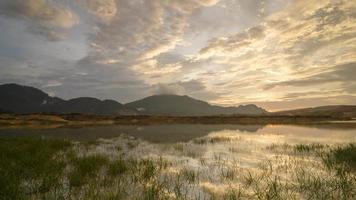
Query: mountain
[335, 111]
[23, 99]
[249, 109]
[171, 105]
[16, 98]
[176, 105]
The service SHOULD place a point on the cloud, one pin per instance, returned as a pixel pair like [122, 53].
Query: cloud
[162, 89]
[103, 10]
[343, 73]
[194, 88]
[233, 43]
[187, 6]
[52, 83]
[140, 32]
[152, 72]
[224, 51]
[308, 44]
[312, 94]
[143, 30]
[192, 85]
[45, 16]
[229, 17]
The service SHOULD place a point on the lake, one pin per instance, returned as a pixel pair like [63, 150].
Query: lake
[325, 133]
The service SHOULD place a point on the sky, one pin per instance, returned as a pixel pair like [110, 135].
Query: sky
[278, 54]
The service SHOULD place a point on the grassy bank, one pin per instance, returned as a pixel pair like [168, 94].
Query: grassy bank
[60, 120]
[126, 168]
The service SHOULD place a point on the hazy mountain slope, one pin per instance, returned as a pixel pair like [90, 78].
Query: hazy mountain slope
[250, 109]
[171, 105]
[92, 105]
[23, 99]
[185, 105]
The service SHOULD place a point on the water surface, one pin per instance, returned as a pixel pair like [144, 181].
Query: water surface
[334, 132]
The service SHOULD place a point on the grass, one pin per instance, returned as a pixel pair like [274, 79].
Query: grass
[343, 157]
[213, 140]
[191, 176]
[85, 169]
[34, 168]
[316, 186]
[229, 173]
[117, 167]
[307, 148]
[233, 194]
[30, 161]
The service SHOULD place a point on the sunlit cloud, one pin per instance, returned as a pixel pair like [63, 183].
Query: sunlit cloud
[289, 50]
[46, 17]
[104, 10]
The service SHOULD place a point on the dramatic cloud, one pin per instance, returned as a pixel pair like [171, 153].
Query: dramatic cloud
[308, 46]
[275, 53]
[45, 17]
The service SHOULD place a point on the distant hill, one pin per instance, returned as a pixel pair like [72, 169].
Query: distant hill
[23, 99]
[335, 111]
[16, 98]
[89, 105]
[176, 105]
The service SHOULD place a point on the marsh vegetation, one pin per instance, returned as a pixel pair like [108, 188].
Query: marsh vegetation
[221, 165]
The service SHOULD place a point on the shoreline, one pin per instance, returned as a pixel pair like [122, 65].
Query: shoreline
[64, 120]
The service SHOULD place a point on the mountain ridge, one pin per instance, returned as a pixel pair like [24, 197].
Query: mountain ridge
[15, 98]
[183, 105]
[26, 99]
